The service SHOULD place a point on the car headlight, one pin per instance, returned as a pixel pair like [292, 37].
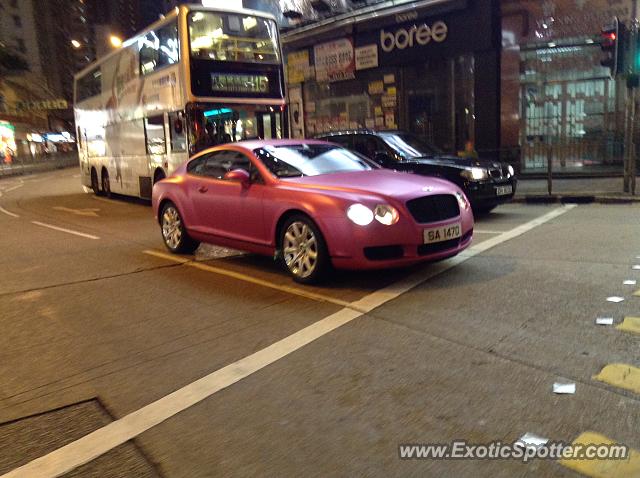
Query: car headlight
[360, 214]
[386, 214]
[474, 174]
[463, 202]
[511, 170]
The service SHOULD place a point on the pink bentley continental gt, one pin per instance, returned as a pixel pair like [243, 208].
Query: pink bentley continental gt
[312, 205]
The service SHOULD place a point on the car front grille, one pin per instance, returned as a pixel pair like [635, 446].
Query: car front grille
[438, 207]
[496, 173]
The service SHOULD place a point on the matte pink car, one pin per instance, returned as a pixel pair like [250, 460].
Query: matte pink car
[311, 205]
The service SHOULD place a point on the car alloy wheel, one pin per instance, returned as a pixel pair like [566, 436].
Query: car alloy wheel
[171, 227]
[300, 249]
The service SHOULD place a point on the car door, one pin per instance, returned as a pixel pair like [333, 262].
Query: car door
[228, 208]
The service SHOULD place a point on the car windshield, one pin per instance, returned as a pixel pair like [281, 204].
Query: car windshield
[410, 146]
[297, 160]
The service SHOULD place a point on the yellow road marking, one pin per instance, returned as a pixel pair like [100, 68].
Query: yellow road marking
[606, 468]
[630, 324]
[620, 375]
[246, 278]
[637, 293]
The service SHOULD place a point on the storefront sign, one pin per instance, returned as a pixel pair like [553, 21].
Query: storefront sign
[376, 88]
[58, 104]
[389, 101]
[334, 60]
[415, 35]
[233, 83]
[298, 66]
[366, 57]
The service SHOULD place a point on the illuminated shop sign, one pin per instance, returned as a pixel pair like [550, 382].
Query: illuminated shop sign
[415, 35]
[237, 83]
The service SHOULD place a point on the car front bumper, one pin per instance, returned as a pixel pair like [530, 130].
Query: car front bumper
[485, 193]
[379, 247]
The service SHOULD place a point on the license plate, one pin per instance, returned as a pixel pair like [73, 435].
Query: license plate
[502, 190]
[443, 233]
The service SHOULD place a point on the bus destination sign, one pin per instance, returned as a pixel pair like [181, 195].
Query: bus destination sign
[238, 83]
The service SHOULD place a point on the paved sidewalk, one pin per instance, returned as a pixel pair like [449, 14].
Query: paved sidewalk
[609, 189]
[19, 168]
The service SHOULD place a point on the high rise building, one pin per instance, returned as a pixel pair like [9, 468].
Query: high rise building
[18, 31]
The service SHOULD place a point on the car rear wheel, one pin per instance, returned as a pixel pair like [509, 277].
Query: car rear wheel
[174, 234]
[304, 251]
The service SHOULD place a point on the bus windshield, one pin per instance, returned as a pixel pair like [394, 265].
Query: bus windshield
[233, 37]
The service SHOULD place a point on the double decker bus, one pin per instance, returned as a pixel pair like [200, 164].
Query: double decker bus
[196, 78]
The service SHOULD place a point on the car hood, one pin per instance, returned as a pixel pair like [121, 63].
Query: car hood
[383, 182]
[457, 162]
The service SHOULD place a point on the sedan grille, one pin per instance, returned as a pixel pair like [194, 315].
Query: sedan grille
[496, 173]
[438, 207]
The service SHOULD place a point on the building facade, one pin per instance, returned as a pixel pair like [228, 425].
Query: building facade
[558, 102]
[431, 68]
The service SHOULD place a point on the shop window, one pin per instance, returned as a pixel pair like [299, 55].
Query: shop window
[159, 48]
[154, 132]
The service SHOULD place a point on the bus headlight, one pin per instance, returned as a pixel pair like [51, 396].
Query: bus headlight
[360, 214]
[386, 214]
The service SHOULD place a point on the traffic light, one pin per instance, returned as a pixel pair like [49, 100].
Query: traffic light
[612, 41]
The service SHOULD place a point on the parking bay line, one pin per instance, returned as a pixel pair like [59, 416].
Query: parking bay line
[62, 229]
[253, 280]
[102, 440]
[609, 468]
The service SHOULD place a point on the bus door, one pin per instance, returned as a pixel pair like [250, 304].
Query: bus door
[270, 124]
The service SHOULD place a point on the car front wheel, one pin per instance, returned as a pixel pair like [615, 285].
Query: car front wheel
[304, 251]
[174, 234]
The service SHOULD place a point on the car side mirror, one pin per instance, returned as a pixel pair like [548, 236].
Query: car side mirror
[382, 158]
[239, 175]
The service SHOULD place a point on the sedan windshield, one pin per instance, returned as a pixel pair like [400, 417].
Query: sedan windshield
[410, 146]
[297, 160]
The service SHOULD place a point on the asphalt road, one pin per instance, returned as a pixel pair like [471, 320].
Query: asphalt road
[220, 365]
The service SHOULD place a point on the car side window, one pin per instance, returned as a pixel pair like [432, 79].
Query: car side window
[368, 145]
[197, 165]
[215, 165]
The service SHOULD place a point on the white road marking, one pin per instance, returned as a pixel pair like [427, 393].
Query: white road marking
[93, 212]
[485, 231]
[62, 229]
[104, 439]
[8, 213]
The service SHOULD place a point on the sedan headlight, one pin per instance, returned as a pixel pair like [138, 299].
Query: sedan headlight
[463, 202]
[510, 170]
[360, 214]
[386, 214]
[474, 174]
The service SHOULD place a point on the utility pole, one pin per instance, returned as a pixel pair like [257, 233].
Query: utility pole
[633, 80]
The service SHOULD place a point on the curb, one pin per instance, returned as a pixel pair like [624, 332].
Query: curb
[574, 199]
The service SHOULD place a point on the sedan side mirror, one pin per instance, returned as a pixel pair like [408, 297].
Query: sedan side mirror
[239, 175]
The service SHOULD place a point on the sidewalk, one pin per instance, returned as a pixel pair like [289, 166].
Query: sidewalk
[50, 163]
[604, 190]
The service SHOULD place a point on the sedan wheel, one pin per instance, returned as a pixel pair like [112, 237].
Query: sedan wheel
[304, 252]
[174, 233]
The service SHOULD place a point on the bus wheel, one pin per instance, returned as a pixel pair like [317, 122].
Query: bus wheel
[94, 182]
[106, 185]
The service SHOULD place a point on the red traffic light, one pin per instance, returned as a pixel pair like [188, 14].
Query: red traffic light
[609, 35]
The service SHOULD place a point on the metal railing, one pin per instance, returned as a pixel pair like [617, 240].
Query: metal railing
[30, 164]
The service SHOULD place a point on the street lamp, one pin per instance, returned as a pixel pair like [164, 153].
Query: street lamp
[75, 43]
[116, 42]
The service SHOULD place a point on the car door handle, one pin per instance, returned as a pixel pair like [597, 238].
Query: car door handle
[202, 189]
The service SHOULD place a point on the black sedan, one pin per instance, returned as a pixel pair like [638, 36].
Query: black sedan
[486, 183]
